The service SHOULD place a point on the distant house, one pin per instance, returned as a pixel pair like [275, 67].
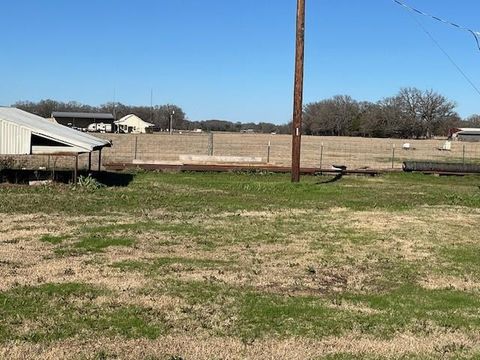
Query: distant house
[465, 134]
[81, 121]
[133, 124]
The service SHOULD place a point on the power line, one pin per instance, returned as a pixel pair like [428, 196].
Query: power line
[475, 34]
[429, 34]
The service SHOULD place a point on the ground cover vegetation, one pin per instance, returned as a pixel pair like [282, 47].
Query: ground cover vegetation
[234, 266]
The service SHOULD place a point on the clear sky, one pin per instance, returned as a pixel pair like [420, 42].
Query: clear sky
[228, 59]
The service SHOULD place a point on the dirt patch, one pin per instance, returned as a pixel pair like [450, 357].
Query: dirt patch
[440, 282]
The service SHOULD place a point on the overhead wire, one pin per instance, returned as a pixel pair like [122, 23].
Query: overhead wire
[475, 34]
[429, 34]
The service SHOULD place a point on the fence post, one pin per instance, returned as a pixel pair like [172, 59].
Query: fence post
[210, 144]
[321, 157]
[393, 156]
[136, 147]
[463, 155]
[75, 171]
[268, 151]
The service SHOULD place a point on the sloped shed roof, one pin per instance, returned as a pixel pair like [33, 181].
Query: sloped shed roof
[18, 126]
[469, 130]
[81, 115]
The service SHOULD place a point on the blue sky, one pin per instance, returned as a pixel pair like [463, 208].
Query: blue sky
[229, 59]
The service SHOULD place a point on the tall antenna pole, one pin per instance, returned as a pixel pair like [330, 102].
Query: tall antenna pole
[114, 103]
[298, 91]
[151, 105]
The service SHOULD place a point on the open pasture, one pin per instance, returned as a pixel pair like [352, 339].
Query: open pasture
[317, 151]
[242, 266]
[354, 152]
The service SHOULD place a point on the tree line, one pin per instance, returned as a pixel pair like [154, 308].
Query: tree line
[411, 113]
[157, 114]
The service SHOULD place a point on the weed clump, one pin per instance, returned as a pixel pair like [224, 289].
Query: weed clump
[88, 183]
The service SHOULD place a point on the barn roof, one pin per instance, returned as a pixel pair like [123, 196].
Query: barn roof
[15, 122]
[82, 115]
[465, 129]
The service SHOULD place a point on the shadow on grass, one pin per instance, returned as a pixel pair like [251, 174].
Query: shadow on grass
[336, 178]
[22, 177]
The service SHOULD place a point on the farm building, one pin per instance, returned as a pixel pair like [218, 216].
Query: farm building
[79, 120]
[133, 124]
[465, 134]
[22, 133]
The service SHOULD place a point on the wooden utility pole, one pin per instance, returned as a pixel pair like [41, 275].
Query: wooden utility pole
[298, 91]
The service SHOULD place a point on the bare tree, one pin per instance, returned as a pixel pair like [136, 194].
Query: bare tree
[436, 110]
[413, 113]
[473, 121]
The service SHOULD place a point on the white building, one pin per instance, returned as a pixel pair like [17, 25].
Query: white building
[133, 124]
[465, 134]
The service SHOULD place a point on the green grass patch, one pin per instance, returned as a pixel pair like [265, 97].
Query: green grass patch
[460, 259]
[268, 314]
[54, 239]
[96, 243]
[232, 192]
[411, 306]
[135, 228]
[57, 311]
[92, 244]
[258, 314]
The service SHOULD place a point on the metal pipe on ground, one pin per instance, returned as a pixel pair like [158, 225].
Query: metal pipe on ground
[430, 166]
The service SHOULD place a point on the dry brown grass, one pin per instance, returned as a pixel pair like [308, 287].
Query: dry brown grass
[276, 266]
[436, 345]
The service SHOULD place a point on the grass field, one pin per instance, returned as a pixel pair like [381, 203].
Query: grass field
[242, 266]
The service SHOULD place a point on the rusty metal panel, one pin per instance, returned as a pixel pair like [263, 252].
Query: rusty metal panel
[14, 139]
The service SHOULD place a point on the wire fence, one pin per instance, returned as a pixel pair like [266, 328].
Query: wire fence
[319, 152]
[322, 152]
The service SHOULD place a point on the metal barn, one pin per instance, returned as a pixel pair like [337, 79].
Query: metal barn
[466, 134]
[23, 133]
[79, 120]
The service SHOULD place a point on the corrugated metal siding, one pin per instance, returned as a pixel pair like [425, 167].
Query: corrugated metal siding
[468, 137]
[56, 132]
[14, 139]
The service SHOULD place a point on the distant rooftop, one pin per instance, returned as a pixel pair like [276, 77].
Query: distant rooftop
[80, 115]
